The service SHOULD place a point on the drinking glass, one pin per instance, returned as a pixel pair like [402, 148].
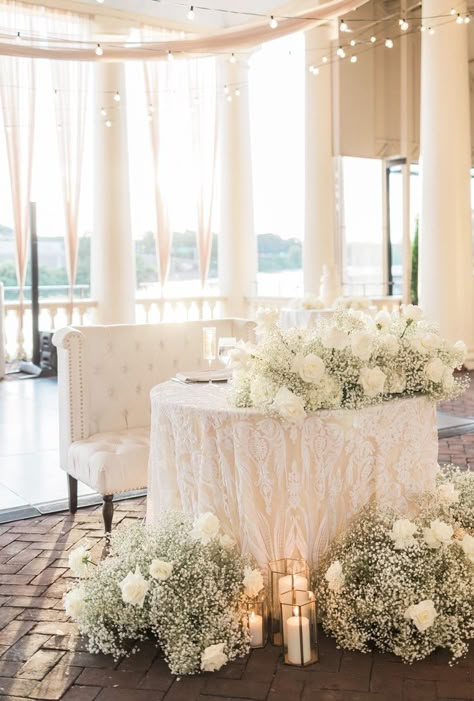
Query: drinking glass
[223, 347]
[209, 344]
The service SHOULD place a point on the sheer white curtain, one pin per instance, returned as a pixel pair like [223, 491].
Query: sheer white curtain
[71, 80]
[203, 94]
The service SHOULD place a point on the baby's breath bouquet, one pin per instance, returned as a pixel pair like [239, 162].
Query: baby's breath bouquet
[181, 582]
[351, 360]
[405, 586]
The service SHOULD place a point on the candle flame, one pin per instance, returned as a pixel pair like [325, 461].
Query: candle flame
[252, 615]
[296, 611]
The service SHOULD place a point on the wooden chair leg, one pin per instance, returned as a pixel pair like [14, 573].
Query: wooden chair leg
[72, 491]
[108, 512]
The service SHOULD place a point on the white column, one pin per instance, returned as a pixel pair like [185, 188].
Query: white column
[113, 254]
[320, 222]
[237, 240]
[445, 254]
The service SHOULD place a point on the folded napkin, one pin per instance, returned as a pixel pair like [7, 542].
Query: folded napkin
[207, 376]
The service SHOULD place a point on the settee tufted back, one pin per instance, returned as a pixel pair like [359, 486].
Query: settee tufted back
[106, 372]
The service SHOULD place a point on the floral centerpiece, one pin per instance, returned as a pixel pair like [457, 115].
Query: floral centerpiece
[405, 586]
[350, 360]
[182, 582]
[309, 301]
[355, 303]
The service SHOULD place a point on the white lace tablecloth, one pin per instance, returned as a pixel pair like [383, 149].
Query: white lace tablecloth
[303, 318]
[284, 490]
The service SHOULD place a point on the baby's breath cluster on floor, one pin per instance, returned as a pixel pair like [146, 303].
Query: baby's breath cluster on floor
[405, 586]
[181, 582]
[349, 361]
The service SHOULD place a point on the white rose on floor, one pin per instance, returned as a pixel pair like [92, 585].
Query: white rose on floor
[389, 344]
[335, 577]
[226, 541]
[383, 321]
[362, 344]
[253, 581]
[402, 533]
[205, 527]
[372, 381]
[262, 391]
[134, 588]
[335, 338]
[160, 569]
[289, 405]
[74, 602]
[435, 370]
[467, 544]
[309, 367]
[439, 533]
[411, 312]
[213, 658]
[423, 614]
[79, 561]
[448, 494]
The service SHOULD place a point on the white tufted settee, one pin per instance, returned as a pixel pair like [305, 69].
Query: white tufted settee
[105, 375]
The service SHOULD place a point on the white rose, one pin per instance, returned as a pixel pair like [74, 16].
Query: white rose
[335, 338]
[79, 561]
[266, 318]
[240, 356]
[289, 405]
[402, 533]
[309, 367]
[396, 383]
[335, 577]
[383, 321]
[439, 533]
[467, 544]
[435, 370]
[253, 581]
[389, 344]
[226, 541]
[134, 588]
[411, 312]
[362, 344]
[423, 614]
[372, 381]
[205, 527]
[160, 569]
[448, 380]
[262, 391]
[213, 658]
[74, 602]
[448, 494]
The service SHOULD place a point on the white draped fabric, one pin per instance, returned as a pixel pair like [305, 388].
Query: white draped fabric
[285, 490]
[244, 36]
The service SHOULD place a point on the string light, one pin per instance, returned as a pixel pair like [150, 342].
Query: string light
[343, 26]
[325, 59]
[103, 111]
[341, 53]
[98, 50]
[314, 70]
[226, 89]
[403, 24]
[232, 58]
[422, 28]
[389, 43]
[237, 92]
[170, 56]
[190, 14]
[117, 96]
[151, 108]
[273, 23]
[354, 59]
[431, 31]
[459, 19]
[108, 123]
[452, 11]
[352, 42]
[467, 19]
[373, 39]
[18, 36]
[229, 98]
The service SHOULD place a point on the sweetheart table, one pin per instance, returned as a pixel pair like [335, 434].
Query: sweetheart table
[282, 489]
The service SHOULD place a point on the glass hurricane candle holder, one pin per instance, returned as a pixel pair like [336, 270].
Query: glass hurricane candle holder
[257, 617]
[283, 576]
[300, 632]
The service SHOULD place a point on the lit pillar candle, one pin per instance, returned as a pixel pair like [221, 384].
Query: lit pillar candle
[292, 581]
[256, 629]
[295, 653]
[292, 597]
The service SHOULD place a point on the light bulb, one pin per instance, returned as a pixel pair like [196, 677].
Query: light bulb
[373, 39]
[232, 58]
[422, 28]
[229, 98]
[352, 42]
[315, 70]
[190, 14]
[226, 89]
[452, 11]
[340, 52]
[353, 59]
[273, 22]
[100, 2]
[325, 59]
[18, 36]
[311, 69]
[117, 96]
[343, 26]
[459, 19]
[237, 92]
[170, 56]
[389, 43]
[151, 108]
[103, 112]
[467, 19]
[403, 25]
[431, 31]
[98, 50]
[108, 123]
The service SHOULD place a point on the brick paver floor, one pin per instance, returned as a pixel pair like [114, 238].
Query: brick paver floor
[42, 656]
